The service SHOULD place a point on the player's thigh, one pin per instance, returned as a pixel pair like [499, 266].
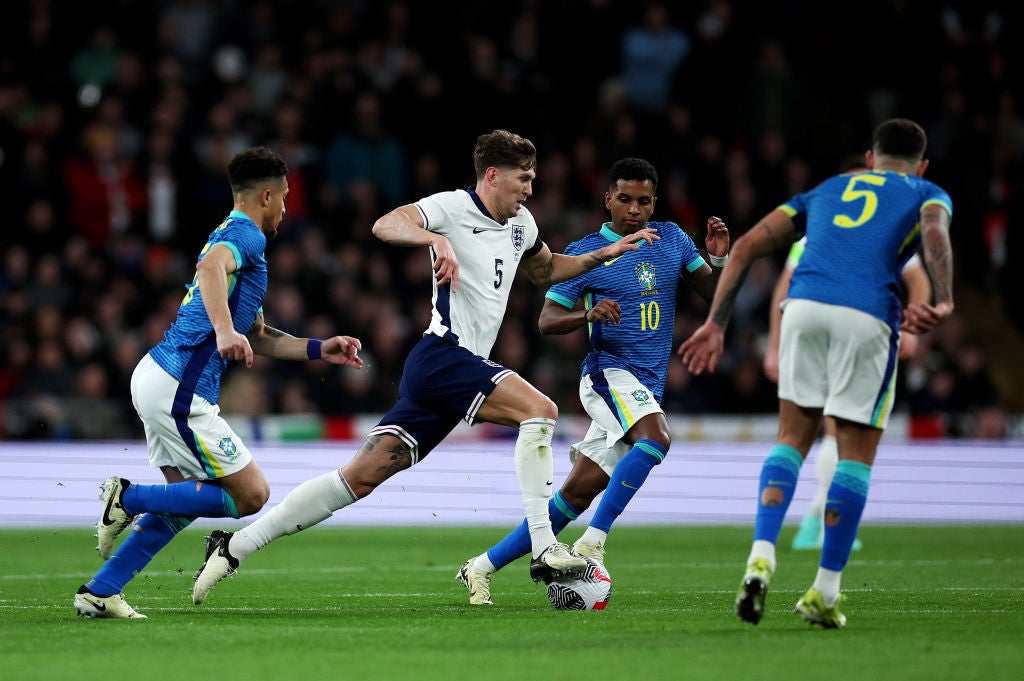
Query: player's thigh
[199, 443]
[623, 406]
[803, 353]
[450, 380]
[513, 401]
[409, 431]
[862, 361]
[596, 447]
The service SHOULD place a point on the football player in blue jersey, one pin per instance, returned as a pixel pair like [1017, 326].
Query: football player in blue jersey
[628, 307]
[839, 340]
[477, 238]
[175, 387]
[918, 288]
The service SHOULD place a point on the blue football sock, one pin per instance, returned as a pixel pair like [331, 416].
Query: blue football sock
[629, 475]
[517, 544]
[846, 500]
[191, 498]
[778, 481]
[150, 533]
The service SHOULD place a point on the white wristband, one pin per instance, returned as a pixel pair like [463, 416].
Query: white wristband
[718, 261]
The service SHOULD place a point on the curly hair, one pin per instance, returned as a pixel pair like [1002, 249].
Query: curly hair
[632, 169]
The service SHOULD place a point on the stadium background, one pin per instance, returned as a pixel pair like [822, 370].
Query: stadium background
[117, 119]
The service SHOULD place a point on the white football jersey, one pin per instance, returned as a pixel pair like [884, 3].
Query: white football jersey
[489, 254]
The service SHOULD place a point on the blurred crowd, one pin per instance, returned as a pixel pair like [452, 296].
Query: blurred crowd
[117, 120]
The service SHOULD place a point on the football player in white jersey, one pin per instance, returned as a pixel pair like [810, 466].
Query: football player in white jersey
[477, 238]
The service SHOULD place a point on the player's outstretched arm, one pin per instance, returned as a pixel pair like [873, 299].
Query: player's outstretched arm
[546, 268]
[271, 342]
[702, 350]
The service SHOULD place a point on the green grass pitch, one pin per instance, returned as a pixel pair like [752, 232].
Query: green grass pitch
[923, 602]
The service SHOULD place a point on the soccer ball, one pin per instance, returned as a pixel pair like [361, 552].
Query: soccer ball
[590, 590]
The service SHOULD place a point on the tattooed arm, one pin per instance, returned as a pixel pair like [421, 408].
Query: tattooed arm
[271, 342]
[546, 268]
[773, 232]
[937, 254]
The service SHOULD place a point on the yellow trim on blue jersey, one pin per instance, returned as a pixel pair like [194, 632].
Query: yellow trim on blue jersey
[915, 233]
[787, 209]
[948, 207]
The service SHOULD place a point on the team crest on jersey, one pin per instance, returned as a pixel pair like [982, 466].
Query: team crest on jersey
[641, 396]
[229, 448]
[518, 236]
[645, 275]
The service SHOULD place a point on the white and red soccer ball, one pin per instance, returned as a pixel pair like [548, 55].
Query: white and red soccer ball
[589, 590]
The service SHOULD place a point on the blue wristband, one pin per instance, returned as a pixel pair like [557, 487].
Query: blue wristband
[313, 348]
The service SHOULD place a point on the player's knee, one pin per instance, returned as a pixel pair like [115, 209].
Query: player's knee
[665, 440]
[252, 500]
[659, 436]
[545, 409]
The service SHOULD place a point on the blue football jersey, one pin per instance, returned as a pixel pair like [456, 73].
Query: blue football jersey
[861, 229]
[188, 350]
[644, 284]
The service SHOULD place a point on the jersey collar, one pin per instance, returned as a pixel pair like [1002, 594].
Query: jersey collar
[480, 204]
[608, 233]
[239, 215]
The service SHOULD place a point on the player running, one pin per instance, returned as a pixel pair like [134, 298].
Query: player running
[629, 310]
[840, 340]
[477, 238]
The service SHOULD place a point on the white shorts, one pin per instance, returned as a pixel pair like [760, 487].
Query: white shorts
[200, 444]
[837, 359]
[615, 400]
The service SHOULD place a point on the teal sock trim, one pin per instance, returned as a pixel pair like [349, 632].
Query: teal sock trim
[564, 506]
[229, 504]
[176, 523]
[785, 457]
[653, 448]
[854, 476]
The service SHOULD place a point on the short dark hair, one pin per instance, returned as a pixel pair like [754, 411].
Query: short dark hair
[632, 169]
[900, 137]
[254, 166]
[503, 149]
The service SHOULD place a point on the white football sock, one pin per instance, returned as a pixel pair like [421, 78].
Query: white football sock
[762, 548]
[535, 470]
[825, 463]
[594, 536]
[308, 504]
[827, 583]
[482, 562]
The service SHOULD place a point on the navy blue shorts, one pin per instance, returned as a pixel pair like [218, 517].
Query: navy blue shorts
[442, 384]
